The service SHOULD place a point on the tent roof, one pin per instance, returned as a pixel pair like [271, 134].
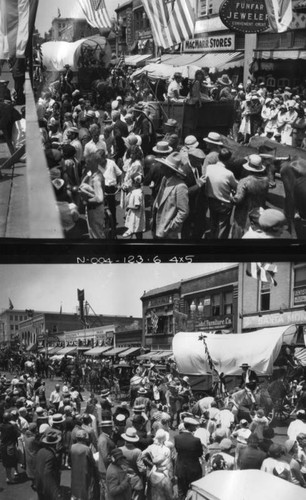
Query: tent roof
[56, 54]
[228, 351]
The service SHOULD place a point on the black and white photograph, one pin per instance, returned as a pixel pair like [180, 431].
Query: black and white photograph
[152, 119]
[153, 381]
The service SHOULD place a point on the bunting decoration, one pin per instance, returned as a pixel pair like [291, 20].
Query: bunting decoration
[262, 271]
[96, 13]
[279, 14]
[17, 19]
[172, 22]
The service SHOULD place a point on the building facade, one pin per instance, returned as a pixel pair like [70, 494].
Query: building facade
[9, 324]
[68, 29]
[262, 305]
[205, 303]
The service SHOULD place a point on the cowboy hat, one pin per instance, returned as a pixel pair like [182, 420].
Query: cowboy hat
[162, 147]
[254, 164]
[130, 435]
[174, 162]
[171, 123]
[214, 138]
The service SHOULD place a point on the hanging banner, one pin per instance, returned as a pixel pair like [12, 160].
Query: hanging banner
[248, 16]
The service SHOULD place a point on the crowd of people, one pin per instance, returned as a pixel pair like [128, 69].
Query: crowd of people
[151, 443]
[118, 159]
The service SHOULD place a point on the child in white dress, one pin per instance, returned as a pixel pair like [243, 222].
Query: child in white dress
[135, 220]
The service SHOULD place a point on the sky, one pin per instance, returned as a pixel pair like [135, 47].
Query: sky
[109, 288]
[48, 9]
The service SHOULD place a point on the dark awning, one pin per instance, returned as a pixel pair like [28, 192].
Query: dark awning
[131, 351]
[280, 54]
[115, 351]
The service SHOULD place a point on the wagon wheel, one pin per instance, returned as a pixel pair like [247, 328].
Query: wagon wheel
[281, 412]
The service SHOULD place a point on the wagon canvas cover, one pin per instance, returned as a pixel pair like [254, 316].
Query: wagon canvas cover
[228, 351]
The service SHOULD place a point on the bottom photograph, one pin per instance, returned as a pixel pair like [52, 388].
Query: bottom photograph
[153, 381]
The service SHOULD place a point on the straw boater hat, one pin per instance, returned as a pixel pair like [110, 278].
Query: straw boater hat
[254, 164]
[245, 365]
[214, 138]
[105, 393]
[174, 162]
[130, 435]
[51, 438]
[142, 390]
[57, 418]
[162, 147]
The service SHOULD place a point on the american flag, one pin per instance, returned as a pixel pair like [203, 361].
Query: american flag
[279, 14]
[17, 19]
[96, 13]
[263, 271]
[171, 22]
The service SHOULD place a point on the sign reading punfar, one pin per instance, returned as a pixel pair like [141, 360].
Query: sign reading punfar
[248, 16]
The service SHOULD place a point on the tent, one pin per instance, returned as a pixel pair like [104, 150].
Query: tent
[228, 351]
[165, 71]
[56, 54]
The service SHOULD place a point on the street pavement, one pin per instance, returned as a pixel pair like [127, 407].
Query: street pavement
[22, 489]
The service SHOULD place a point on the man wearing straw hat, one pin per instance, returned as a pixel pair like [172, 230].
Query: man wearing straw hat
[132, 455]
[48, 475]
[171, 206]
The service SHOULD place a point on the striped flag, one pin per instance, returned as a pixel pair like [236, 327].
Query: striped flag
[17, 19]
[171, 22]
[262, 271]
[279, 14]
[96, 13]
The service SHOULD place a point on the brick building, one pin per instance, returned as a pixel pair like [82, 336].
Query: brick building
[68, 29]
[9, 324]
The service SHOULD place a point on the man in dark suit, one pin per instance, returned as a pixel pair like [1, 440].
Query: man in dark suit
[194, 225]
[189, 450]
[248, 377]
[120, 130]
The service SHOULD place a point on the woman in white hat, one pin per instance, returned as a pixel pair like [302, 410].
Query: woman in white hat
[251, 193]
[158, 458]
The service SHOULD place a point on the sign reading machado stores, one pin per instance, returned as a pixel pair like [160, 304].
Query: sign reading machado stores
[210, 43]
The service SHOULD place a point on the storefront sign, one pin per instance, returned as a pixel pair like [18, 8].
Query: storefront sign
[160, 301]
[300, 295]
[275, 319]
[248, 16]
[216, 323]
[211, 43]
[97, 333]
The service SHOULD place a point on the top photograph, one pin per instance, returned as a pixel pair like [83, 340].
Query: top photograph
[155, 120]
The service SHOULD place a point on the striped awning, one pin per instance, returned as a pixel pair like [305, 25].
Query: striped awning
[221, 61]
[137, 59]
[148, 355]
[68, 350]
[54, 349]
[185, 59]
[280, 54]
[96, 351]
[131, 351]
[115, 351]
[161, 355]
[300, 354]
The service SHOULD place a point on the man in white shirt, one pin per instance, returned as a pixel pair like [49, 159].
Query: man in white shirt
[220, 187]
[297, 426]
[56, 396]
[112, 175]
[96, 142]
[174, 88]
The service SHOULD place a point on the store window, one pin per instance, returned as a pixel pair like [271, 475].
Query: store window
[299, 284]
[265, 297]
[216, 305]
[205, 7]
[228, 303]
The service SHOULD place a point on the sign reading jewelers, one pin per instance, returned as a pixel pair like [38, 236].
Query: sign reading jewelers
[211, 43]
[248, 16]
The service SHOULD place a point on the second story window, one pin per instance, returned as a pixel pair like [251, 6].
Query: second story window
[299, 285]
[216, 305]
[265, 297]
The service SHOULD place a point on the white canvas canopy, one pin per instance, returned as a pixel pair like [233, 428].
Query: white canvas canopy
[228, 351]
[165, 71]
[56, 54]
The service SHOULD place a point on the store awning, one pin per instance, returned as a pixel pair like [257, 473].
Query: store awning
[221, 61]
[181, 59]
[83, 348]
[68, 350]
[54, 350]
[131, 351]
[30, 347]
[280, 54]
[148, 355]
[96, 351]
[161, 355]
[137, 59]
[115, 351]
